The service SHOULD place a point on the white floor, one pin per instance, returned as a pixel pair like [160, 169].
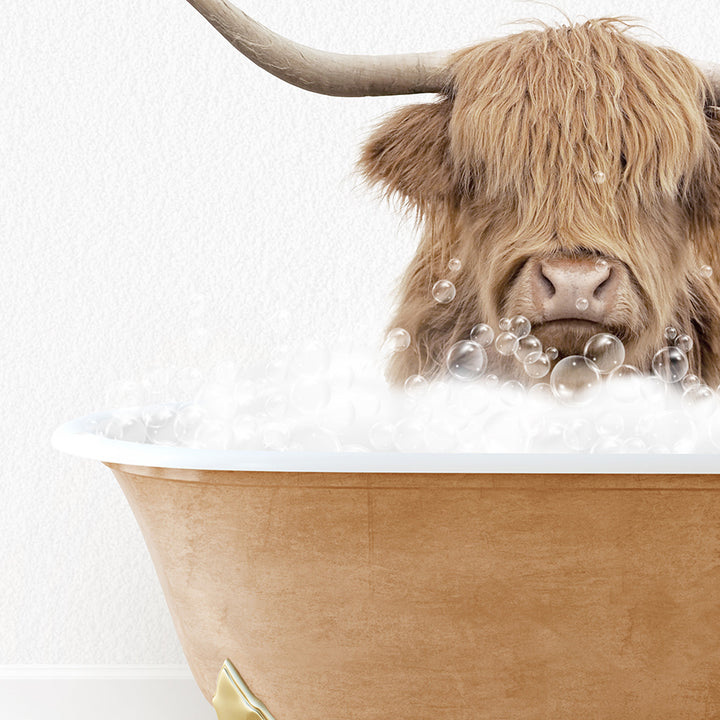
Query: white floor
[92, 693]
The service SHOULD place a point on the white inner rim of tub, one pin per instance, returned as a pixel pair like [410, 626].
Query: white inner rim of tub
[78, 438]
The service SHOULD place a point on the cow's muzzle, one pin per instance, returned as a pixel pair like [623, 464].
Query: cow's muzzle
[574, 288]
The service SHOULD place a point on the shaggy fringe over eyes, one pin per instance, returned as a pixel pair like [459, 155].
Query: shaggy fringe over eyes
[539, 113]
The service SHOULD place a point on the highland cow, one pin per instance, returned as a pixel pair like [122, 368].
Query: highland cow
[544, 152]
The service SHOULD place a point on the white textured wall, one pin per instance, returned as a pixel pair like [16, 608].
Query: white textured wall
[142, 159]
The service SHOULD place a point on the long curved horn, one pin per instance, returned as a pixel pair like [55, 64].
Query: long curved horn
[325, 72]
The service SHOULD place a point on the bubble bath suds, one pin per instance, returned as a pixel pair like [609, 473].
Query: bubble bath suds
[313, 399]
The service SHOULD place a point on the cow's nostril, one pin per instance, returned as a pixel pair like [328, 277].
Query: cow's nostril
[603, 286]
[548, 287]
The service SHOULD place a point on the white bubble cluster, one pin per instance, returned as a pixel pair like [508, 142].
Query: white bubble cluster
[329, 399]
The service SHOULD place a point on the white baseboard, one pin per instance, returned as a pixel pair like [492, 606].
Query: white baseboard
[101, 692]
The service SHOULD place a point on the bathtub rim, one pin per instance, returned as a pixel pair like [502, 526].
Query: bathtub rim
[74, 438]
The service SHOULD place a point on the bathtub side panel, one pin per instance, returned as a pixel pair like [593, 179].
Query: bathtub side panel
[275, 579]
[478, 602]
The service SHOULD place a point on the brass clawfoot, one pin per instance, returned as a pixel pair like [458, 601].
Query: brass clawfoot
[233, 699]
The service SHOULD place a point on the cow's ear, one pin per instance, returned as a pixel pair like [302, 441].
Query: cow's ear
[701, 195]
[409, 154]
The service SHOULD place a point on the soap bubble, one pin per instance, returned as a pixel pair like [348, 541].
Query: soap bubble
[700, 401]
[506, 343]
[381, 436]
[277, 368]
[482, 334]
[159, 424]
[505, 324]
[607, 445]
[492, 380]
[416, 386]
[541, 392]
[466, 360]
[218, 400]
[599, 177]
[312, 439]
[625, 372]
[341, 373]
[582, 304]
[313, 359]
[606, 351]
[519, 326]
[245, 432]
[440, 434]
[367, 405]
[454, 265]
[670, 428]
[443, 291]
[187, 421]
[338, 415]
[575, 380]
[513, 392]
[212, 433]
[552, 353]
[539, 367]
[684, 342]
[468, 400]
[275, 436]
[397, 340]
[623, 384]
[246, 392]
[121, 425]
[601, 265]
[670, 333]
[547, 437]
[354, 448]
[670, 364]
[310, 394]
[579, 434]
[706, 271]
[689, 381]
[529, 349]
[653, 390]
[610, 424]
[634, 445]
[408, 435]
[438, 393]
[276, 404]
[713, 429]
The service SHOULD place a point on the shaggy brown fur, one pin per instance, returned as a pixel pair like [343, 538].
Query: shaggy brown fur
[500, 172]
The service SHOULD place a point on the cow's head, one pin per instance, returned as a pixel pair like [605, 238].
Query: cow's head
[545, 152]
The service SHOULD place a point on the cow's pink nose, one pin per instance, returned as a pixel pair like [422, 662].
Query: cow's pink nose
[574, 288]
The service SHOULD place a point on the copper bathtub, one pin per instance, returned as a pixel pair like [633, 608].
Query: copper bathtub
[359, 586]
